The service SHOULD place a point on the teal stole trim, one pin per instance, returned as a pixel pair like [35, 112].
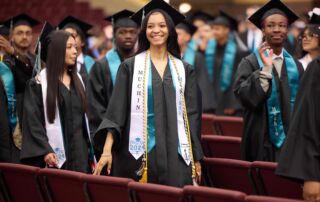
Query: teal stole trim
[227, 63]
[88, 62]
[190, 53]
[8, 83]
[150, 127]
[114, 62]
[276, 129]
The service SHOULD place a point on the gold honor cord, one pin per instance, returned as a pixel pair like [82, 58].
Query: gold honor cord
[186, 120]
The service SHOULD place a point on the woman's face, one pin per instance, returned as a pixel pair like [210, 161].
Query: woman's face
[77, 37]
[157, 30]
[71, 51]
[309, 41]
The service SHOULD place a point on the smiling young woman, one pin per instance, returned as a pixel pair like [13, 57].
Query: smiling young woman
[152, 127]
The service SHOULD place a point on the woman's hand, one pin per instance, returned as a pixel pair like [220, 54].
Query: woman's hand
[311, 191]
[198, 171]
[267, 60]
[51, 160]
[105, 160]
[106, 157]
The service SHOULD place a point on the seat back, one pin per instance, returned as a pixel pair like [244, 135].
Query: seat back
[272, 185]
[208, 124]
[229, 126]
[63, 185]
[221, 146]
[155, 193]
[254, 198]
[206, 194]
[20, 182]
[105, 188]
[230, 174]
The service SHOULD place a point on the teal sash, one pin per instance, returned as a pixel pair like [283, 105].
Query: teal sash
[88, 62]
[8, 83]
[276, 129]
[150, 127]
[227, 63]
[190, 53]
[114, 62]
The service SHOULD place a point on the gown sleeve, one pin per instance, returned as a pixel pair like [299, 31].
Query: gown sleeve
[193, 104]
[300, 155]
[247, 87]
[118, 108]
[35, 141]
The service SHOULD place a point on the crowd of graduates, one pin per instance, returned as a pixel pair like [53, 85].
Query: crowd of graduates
[137, 109]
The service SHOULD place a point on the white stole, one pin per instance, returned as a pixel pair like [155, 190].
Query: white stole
[138, 101]
[54, 130]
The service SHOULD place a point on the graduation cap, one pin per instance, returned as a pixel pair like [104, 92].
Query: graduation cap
[175, 15]
[121, 19]
[21, 19]
[199, 15]
[81, 27]
[315, 19]
[187, 26]
[43, 40]
[226, 20]
[271, 8]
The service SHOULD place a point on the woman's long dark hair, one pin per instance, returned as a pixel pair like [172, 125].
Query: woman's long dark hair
[55, 64]
[172, 41]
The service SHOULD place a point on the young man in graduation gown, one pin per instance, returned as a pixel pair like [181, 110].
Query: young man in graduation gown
[299, 156]
[223, 55]
[191, 55]
[266, 84]
[79, 29]
[103, 74]
[16, 69]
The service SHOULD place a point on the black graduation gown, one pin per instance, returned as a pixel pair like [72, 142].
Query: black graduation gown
[255, 144]
[35, 141]
[5, 133]
[227, 99]
[99, 90]
[204, 83]
[299, 158]
[165, 165]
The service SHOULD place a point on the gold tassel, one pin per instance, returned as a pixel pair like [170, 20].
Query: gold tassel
[144, 178]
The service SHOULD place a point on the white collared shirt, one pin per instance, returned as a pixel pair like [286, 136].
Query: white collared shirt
[80, 61]
[305, 61]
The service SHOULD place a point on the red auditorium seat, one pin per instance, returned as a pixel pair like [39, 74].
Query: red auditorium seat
[20, 182]
[228, 126]
[273, 185]
[155, 193]
[229, 174]
[63, 185]
[221, 146]
[102, 187]
[253, 198]
[207, 124]
[206, 194]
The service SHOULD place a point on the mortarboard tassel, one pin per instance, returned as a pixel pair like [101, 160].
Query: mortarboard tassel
[37, 64]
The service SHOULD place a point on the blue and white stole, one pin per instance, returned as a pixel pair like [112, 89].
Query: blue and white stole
[190, 53]
[114, 62]
[227, 63]
[142, 98]
[8, 84]
[276, 130]
[54, 130]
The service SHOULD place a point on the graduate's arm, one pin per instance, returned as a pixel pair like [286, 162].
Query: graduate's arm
[35, 143]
